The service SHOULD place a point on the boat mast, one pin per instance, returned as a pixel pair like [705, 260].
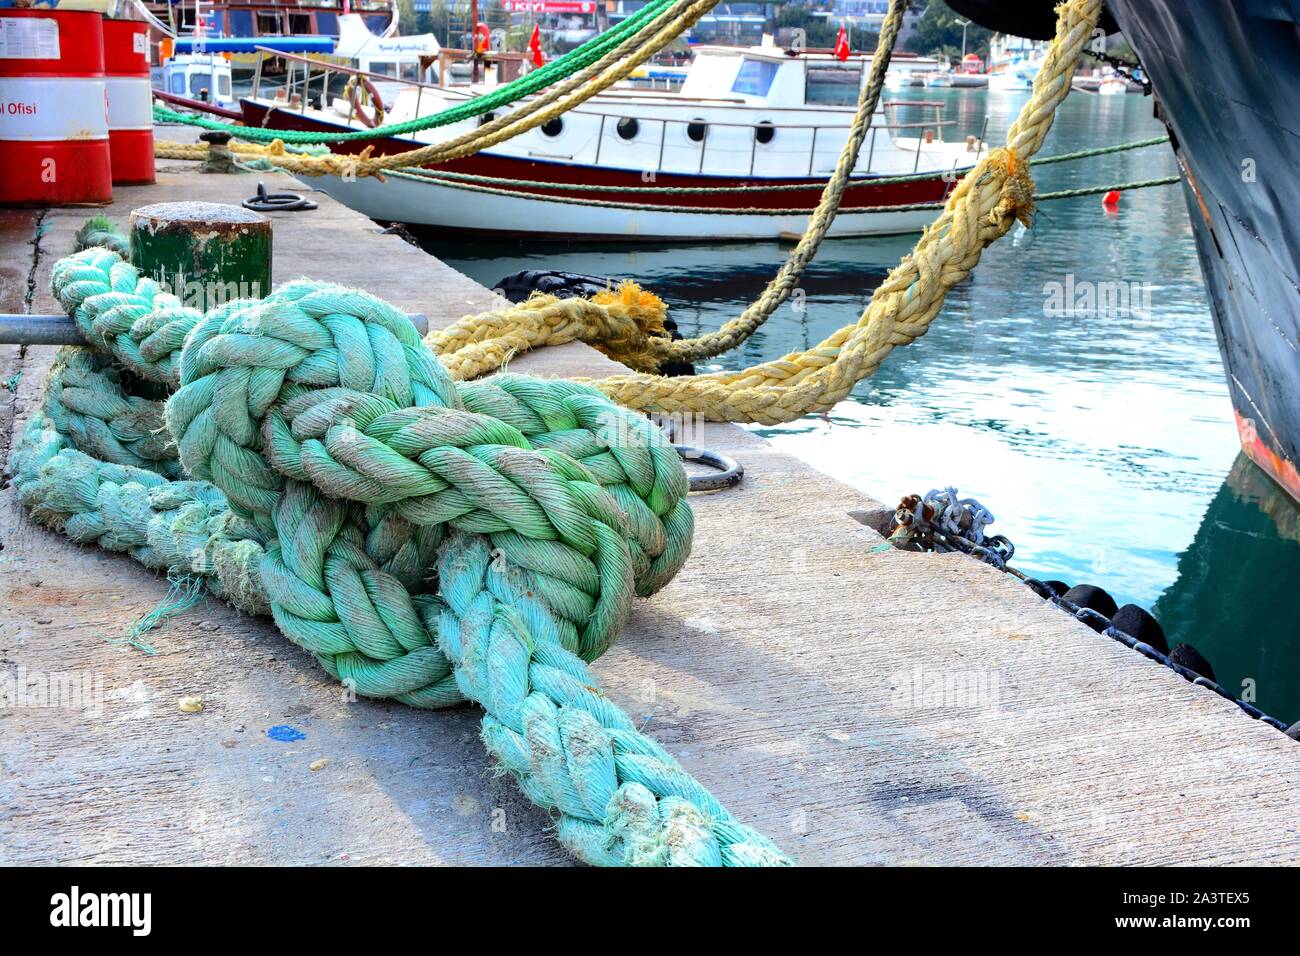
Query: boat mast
[474, 75]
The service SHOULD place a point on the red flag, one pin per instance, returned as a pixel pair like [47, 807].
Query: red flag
[842, 45]
[535, 44]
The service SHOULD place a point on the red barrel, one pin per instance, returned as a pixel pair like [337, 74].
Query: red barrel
[53, 109]
[130, 101]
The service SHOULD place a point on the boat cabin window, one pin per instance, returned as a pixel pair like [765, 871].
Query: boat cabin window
[832, 84]
[269, 24]
[410, 71]
[200, 81]
[241, 23]
[223, 84]
[300, 24]
[178, 84]
[386, 67]
[754, 77]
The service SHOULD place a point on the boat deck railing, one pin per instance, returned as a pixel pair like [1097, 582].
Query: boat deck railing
[296, 94]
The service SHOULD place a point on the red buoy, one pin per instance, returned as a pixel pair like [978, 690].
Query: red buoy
[53, 109]
[1111, 199]
[130, 101]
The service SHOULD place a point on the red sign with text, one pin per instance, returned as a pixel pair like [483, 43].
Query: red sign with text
[550, 6]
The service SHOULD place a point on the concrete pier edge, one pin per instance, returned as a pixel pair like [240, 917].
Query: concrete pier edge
[858, 707]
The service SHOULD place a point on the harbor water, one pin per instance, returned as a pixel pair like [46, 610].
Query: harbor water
[1073, 385]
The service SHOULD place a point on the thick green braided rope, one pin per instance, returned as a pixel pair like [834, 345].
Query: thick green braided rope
[101, 231]
[333, 464]
[560, 68]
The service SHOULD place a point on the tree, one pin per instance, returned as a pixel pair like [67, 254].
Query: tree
[863, 39]
[439, 22]
[406, 22]
[818, 31]
[939, 31]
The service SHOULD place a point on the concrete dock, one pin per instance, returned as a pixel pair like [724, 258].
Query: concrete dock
[857, 707]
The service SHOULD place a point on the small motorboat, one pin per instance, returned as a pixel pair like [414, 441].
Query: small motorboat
[1112, 84]
[203, 77]
[1013, 64]
[1017, 79]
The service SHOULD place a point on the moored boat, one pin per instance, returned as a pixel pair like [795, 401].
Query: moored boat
[263, 22]
[1112, 84]
[762, 126]
[1013, 64]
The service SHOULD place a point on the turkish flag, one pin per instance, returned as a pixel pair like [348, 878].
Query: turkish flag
[535, 44]
[842, 45]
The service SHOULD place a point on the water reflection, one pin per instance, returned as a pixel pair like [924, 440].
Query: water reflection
[1231, 597]
[1099, 440]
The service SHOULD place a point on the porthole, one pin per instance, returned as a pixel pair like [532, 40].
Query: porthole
[764, 132]
[553, 128]
[696, 131]
[486, 118]
[628, 127]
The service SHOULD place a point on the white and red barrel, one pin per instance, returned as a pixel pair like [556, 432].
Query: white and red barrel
[130, 101]
[53, 109]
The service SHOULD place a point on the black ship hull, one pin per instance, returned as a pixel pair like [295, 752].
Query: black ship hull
[1226, 75]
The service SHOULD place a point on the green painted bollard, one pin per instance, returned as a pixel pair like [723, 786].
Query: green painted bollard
[204, 253]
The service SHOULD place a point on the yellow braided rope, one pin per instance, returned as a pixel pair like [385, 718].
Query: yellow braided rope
[996, 193]
[167, 149]
[982, 208]
[617, 322]
[573, 92]
[540, 323]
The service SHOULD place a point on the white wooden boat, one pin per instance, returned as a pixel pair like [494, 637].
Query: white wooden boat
[1013, 64]
[746, 119]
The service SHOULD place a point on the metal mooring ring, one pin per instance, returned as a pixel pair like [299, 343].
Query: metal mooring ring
[277, 202]
[729, 473]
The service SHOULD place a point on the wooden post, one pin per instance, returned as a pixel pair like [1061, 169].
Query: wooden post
[204, 253]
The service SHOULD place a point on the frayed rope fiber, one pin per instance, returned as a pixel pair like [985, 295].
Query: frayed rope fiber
[426, 540]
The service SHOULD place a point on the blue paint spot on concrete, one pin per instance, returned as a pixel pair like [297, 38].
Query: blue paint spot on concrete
[285, 734]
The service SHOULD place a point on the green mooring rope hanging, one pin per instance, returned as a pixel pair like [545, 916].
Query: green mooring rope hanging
[561, 67]
[317, 461]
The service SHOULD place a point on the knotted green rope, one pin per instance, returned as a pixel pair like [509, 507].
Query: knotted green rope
[332, 465]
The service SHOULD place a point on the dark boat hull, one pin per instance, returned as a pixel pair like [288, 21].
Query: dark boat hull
[1226, 75]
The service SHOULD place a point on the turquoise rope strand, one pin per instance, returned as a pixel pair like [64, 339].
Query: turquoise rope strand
[330, 464]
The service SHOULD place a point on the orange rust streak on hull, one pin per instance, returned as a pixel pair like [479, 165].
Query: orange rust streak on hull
[1280, 469]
